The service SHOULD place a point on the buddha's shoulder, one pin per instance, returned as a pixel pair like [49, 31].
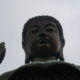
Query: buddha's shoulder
[78, 67]
[6, 75]
[39, 65]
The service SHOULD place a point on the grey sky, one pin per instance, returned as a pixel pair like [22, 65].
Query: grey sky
[13, 15]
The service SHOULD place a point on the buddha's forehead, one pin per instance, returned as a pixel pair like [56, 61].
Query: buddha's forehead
[42, 23]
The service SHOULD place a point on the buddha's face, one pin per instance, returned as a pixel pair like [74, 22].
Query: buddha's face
[42, 39]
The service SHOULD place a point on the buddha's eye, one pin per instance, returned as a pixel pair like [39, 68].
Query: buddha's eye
[50, 29]
[34, 30]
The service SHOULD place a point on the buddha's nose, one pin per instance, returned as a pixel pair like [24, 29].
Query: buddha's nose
[43, 35]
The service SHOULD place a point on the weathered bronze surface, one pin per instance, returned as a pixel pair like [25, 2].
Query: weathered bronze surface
[43, 42]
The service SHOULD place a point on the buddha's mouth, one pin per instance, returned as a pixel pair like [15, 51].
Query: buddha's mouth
[43, 41]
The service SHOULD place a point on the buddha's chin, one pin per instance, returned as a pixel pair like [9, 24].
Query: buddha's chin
[47, 45]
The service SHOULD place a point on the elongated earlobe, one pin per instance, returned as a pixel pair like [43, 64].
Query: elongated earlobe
[61, 56]
[27, 59]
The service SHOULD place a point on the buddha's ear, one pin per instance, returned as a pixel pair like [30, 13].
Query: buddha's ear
[61, 56]
[60, 53]
[27, 57]
[63, 42]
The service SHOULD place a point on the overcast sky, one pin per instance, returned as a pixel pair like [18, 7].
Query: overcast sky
[13, 15]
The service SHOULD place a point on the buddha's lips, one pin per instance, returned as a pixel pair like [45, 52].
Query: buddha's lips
[43, 41]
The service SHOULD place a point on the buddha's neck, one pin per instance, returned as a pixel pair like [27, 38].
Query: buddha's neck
[43, 59]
